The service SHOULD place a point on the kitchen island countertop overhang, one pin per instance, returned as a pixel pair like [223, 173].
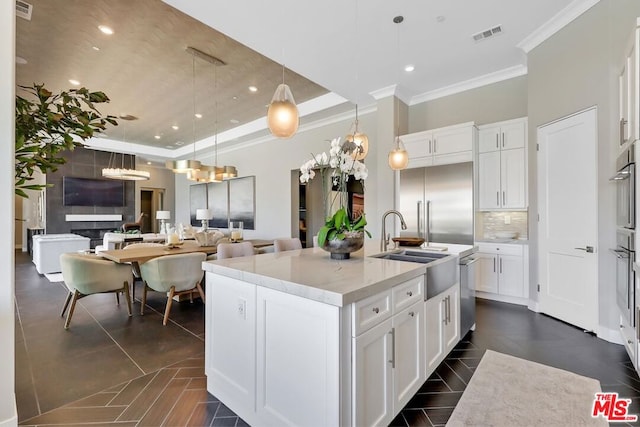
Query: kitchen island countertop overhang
[310, 273]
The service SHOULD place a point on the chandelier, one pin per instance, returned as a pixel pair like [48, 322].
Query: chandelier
[123, 173]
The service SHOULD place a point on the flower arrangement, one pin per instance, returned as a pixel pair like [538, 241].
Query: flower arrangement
[341, 166]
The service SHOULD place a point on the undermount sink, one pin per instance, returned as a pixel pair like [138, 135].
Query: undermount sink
[411, 256]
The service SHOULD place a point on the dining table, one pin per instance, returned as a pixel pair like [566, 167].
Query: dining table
[145, 253]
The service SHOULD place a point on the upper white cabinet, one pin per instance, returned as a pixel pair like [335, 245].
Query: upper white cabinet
[451, 144]
[629, 97]
[502, 165]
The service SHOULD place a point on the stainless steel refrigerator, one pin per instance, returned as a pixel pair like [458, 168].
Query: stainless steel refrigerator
[437, 203]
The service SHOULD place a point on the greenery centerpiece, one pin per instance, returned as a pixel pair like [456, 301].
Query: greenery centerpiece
[341, 234]
[47, 124]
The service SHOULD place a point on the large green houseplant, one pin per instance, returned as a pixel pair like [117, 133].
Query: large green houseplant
[48, 124]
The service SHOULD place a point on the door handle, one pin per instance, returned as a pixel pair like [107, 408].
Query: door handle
[393, 347]
[619, 253]
[427, 227]
[588, 249]
[419, 209]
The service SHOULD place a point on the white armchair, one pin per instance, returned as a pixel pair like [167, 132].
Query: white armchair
[173, 274]
[88, 274]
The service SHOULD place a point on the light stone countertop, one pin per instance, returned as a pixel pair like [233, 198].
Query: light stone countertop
[312, 274]
[504, 241]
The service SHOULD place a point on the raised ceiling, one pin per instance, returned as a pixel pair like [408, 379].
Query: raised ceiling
[334, 50]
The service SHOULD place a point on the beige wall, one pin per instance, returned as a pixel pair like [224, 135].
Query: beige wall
[487, 104]
[161, 177]
[575, 69]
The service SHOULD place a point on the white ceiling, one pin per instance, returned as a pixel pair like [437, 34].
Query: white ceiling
[333, 50]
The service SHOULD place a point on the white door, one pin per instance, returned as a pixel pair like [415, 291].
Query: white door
[373, 376]
[567, 196]
[408, 353]
[489, 180]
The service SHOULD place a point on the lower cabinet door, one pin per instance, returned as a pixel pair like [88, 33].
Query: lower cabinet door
[511, 276]
[434, 321]
[408, 353]
[373, 376]
[487, 278]
[451, 331]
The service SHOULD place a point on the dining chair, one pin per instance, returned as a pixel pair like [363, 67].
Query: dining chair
[173, 274]
[235, 250]
[89, 274]
[280, 245]
[135, 267]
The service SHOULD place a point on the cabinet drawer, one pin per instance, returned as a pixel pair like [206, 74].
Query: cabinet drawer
[407, 293]
[371, 311]
[500, 249]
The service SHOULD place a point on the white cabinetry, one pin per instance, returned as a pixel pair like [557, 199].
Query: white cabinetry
[629, 96]
[451, 144]
[502, 165]
[502, 272]
[388, 361]
[442, 326]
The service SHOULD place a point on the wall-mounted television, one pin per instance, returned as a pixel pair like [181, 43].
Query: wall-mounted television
[92, 192]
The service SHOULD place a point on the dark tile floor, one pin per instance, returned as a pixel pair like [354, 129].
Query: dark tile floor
[109, 369]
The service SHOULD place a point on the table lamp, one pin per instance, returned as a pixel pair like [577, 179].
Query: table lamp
[163, 216]
[204, 215]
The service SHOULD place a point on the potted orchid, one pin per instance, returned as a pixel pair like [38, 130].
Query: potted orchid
[341, 233]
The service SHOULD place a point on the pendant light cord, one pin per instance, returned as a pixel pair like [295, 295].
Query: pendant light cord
[193, 89]
[215, 95]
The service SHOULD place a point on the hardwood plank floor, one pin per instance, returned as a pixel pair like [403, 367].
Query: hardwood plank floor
[133, 372]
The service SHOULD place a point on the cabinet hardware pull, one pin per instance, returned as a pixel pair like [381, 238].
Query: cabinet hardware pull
[500, 265]
[411, 313]
[629, 342]
[623, 123]
[448, 309]
[494, 264]
[497, 198]
[435, 146]
[376, 310]
[497, 143]
[409, 293]
[393, 348]
[502, 139]
[444, 317]
[504, 198]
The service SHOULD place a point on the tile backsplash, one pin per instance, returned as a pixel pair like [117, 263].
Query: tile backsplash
[488, 223]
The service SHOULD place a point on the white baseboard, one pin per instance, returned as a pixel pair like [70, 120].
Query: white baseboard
[12, 421]
[501, 298]
[610, 335]
[533, 306]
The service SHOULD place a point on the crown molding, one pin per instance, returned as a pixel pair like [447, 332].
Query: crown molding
[393, 90]
[497, 76]
[556, 23]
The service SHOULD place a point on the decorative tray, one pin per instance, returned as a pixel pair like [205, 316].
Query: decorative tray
[173, 245]
[408, 241]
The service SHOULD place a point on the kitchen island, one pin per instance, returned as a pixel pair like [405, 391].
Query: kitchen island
[296, 338]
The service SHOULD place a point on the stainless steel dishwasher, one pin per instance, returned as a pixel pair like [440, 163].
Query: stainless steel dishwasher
[467, 294]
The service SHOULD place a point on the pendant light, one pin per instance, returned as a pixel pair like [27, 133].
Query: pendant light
[357, 142]
[188, 166]
[123, 173]
[282, 115]
[398, 157]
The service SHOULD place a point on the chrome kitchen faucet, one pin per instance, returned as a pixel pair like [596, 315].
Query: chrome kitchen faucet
[384, 239]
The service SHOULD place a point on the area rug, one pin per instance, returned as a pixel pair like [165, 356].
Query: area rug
[508, 391]
[54, 277]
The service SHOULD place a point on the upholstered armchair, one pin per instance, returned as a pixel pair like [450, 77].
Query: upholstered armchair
[88, 274]
[280, 245]
[135, 267]
[234, 250]
[174, 275]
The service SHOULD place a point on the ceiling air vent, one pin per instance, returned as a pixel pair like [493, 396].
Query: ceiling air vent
[487, 33]
[23, 10]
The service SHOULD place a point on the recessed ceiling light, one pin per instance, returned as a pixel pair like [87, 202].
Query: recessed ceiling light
[175, 127]
[74, 82]
[198, 115]
[20, 60]
[253, 89]
[96, 48]
[157, 137]
[105, 29]
[234, 121]
[409, 68]
[235, 98]
[178, 143]
[148, 163]
[440, 18]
